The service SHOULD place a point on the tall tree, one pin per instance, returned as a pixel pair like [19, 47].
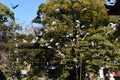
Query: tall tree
[75, 29]
[6, 15]
[8, 28]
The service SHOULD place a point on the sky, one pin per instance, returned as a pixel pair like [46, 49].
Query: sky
[26, 10]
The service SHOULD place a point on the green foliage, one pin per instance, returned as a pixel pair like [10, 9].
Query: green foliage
[74, 10]
[5, 13]
[95, 45]
[8, 26]
[62, 49]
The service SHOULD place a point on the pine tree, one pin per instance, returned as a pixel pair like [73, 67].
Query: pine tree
[77, 36]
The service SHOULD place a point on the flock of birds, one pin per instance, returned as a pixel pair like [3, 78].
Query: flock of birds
[47, 43]
[78, 25]
[57, 44]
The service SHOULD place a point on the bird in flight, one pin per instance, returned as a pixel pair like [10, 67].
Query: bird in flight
[15, 6]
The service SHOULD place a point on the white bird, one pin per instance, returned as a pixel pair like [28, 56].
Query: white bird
[77, 21]
[54, 23]
[17, 60]
[78, 24]
[50, 47]
[77, 36]
[51, 40]
[15, 51]
[81, 33]
[24, 71]
[88, 33]
[47, 63]
[111, 77]
[84, 9]
[57, 44]
[52, 67]
[46, 44]
[24, 41]
[58, 10]
[16, 44]
[67, 35]
[36, 38]
[65, 45]
[70, 34]
[92, 43]
[113, 25]
[82, 26]
[15, 39]
[41, 33]
[74, 40]
[90, 25]
[34, 41]
[60, 53]
[117, 39]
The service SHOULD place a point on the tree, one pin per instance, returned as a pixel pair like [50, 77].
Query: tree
[75, 29]
[6, 16]
[70, 11]
[8, 29]
[5, 13]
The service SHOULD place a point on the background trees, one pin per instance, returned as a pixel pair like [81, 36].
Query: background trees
[77, 37]
[7, 21]
[5, 16]
[5, 13]
[8, 28]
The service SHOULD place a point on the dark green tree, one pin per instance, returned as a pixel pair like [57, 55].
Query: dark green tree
[5, 13]
[73, 30]
[8, 28]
